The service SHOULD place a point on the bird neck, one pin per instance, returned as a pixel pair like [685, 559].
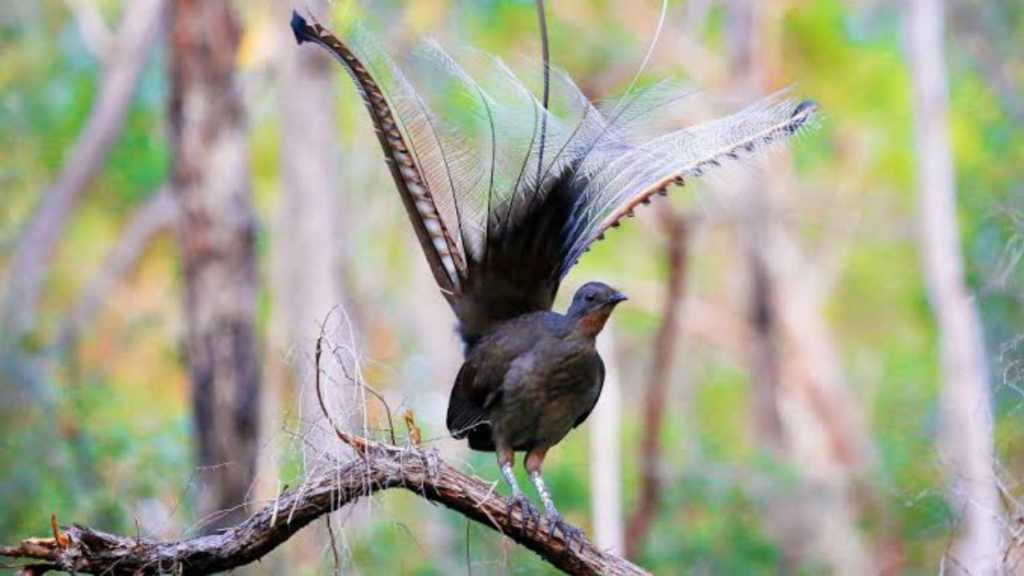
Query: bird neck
[591, 323]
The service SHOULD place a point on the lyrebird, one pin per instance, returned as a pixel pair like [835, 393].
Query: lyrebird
[506, 191]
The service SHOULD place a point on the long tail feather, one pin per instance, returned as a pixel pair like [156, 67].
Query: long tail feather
[631, 179]
[437, 242]
[546, 71]
[506, 191]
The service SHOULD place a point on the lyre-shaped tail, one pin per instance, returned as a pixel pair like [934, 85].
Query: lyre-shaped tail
[506, 193]
[439, 246]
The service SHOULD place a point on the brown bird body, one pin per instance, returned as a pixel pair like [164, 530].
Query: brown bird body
[529, 381]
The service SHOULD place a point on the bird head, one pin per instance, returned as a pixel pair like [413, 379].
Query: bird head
[592, 305]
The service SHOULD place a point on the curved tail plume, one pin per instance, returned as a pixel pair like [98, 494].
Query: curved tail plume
[505, 206]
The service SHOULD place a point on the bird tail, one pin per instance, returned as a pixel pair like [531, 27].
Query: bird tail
[506, 191]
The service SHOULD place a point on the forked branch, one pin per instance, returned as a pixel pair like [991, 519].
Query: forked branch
[380, 467]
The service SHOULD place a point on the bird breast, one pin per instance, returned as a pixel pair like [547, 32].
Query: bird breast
[554, 385]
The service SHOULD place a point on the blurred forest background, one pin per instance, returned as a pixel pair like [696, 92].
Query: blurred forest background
[820, 368]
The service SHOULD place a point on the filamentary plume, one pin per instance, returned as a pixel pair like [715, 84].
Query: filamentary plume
[483, 215]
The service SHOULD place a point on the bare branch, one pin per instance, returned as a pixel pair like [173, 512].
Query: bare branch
[381, 467]
[94, 30]
[38, 241]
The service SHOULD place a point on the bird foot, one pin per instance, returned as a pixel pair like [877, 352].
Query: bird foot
[571, 534]
[528, 512]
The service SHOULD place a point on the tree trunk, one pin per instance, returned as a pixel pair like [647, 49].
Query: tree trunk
[677, 234]
[217, 235]
[966, 425]
[605, 453]
[803, 413]
[764, 353]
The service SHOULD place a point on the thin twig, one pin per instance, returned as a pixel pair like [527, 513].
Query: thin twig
[356, 442]
[27, 267]
[354, 378]
[334, 544]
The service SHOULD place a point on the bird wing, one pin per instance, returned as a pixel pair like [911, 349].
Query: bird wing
[600, 387]
[506, 192]
[499, 362]
[468, 401]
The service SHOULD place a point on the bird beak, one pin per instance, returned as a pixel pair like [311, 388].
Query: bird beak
[617, 297]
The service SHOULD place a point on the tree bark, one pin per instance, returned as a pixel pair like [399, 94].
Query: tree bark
[380, 467]
[966, 425]
[121, 71]
[217, 232]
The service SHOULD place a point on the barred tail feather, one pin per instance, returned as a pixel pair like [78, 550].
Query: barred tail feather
[616, 185]
[440, 247]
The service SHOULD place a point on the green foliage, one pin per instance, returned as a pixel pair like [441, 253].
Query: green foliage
[97, 455]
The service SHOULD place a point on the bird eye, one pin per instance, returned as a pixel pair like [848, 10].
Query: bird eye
[589, 297]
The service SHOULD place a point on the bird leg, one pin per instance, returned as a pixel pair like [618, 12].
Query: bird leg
[506, 459]
[534, 459]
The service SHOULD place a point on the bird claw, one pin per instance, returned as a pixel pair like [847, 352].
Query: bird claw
[529, 514]
[570, 533]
